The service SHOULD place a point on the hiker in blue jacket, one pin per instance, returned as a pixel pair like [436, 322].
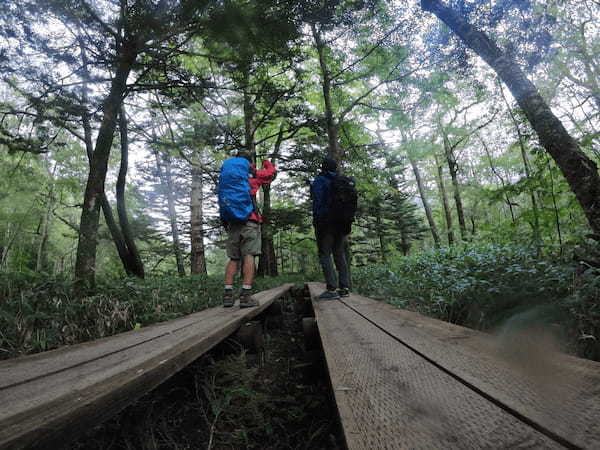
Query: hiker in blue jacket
[330, 235]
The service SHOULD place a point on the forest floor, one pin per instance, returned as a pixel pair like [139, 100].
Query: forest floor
[231, 399]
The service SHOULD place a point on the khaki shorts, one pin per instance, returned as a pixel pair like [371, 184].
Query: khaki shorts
[243, 239]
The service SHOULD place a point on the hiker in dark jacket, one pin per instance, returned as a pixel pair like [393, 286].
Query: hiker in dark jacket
[331, 237]
[244, 237]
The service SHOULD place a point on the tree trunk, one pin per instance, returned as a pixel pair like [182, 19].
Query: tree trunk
[555, 205]
[170, 193]
[281, 254]
[334, 150]
[453, 169]
[42, 253]
[580, 171]
[109, 219]
[85, 265]
[380, 234]
[428, 213]
[197, 219]
[404, 243]
[444, 198]
[267, 263]
[134, 262]
[537, 238]
[5, 247]
[248, 115]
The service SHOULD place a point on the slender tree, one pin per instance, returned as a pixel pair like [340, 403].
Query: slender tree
[444, 199]
[134, 261]
[197, 216]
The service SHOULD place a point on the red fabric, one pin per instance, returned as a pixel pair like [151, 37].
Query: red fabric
[264, 176]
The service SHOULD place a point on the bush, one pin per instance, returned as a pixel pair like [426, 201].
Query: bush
[582, 311]
[38, 313]
[488, 286]
[477, 286]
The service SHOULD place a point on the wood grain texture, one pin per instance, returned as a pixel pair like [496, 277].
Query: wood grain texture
[523, 371]
[390, 397]
[65, 392]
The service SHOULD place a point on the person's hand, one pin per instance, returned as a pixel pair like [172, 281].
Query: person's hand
[264, 164]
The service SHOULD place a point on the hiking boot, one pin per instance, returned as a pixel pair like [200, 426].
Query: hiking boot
[246, 299]
[228, 301]
[343, 292]
[329, 295]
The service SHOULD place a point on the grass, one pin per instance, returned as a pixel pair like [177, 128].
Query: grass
[39, 314]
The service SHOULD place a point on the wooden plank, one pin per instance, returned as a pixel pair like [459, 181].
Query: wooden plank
[26, 368]
[556, 392]
[50, 409]
[390, 397]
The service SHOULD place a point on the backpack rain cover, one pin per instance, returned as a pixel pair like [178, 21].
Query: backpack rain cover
[235, 203]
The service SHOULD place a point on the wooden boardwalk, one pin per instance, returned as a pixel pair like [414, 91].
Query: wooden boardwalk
[405, 381]
[400, 380]
[49, 398]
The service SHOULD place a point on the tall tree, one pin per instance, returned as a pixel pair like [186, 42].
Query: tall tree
[444, 199]
[423, 196]
[337, 75]
[580, 171]
[131, 263]
[261, 60]
[116, 33]
[197, 218]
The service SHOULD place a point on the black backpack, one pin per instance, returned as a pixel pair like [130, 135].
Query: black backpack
[343, 199]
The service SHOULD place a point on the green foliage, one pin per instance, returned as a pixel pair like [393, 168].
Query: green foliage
[582, 308]
[478, 286]
[39, 313]
[489, 286]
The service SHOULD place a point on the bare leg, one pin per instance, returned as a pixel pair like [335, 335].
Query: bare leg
[249, 269]
[230, 271]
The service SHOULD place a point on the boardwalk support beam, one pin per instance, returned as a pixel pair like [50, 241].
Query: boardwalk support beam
[250, 335]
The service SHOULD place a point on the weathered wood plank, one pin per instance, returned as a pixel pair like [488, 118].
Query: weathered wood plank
[57, 406]
[556, 392]
[390, 397]
[23, 369]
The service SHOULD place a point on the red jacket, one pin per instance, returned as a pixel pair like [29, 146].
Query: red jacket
[264, 176]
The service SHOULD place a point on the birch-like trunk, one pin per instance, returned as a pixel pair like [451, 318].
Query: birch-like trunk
[425, 202]
[444, 198]
[109, 219]
[198, 265]
[453, 169]
[42, 251]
